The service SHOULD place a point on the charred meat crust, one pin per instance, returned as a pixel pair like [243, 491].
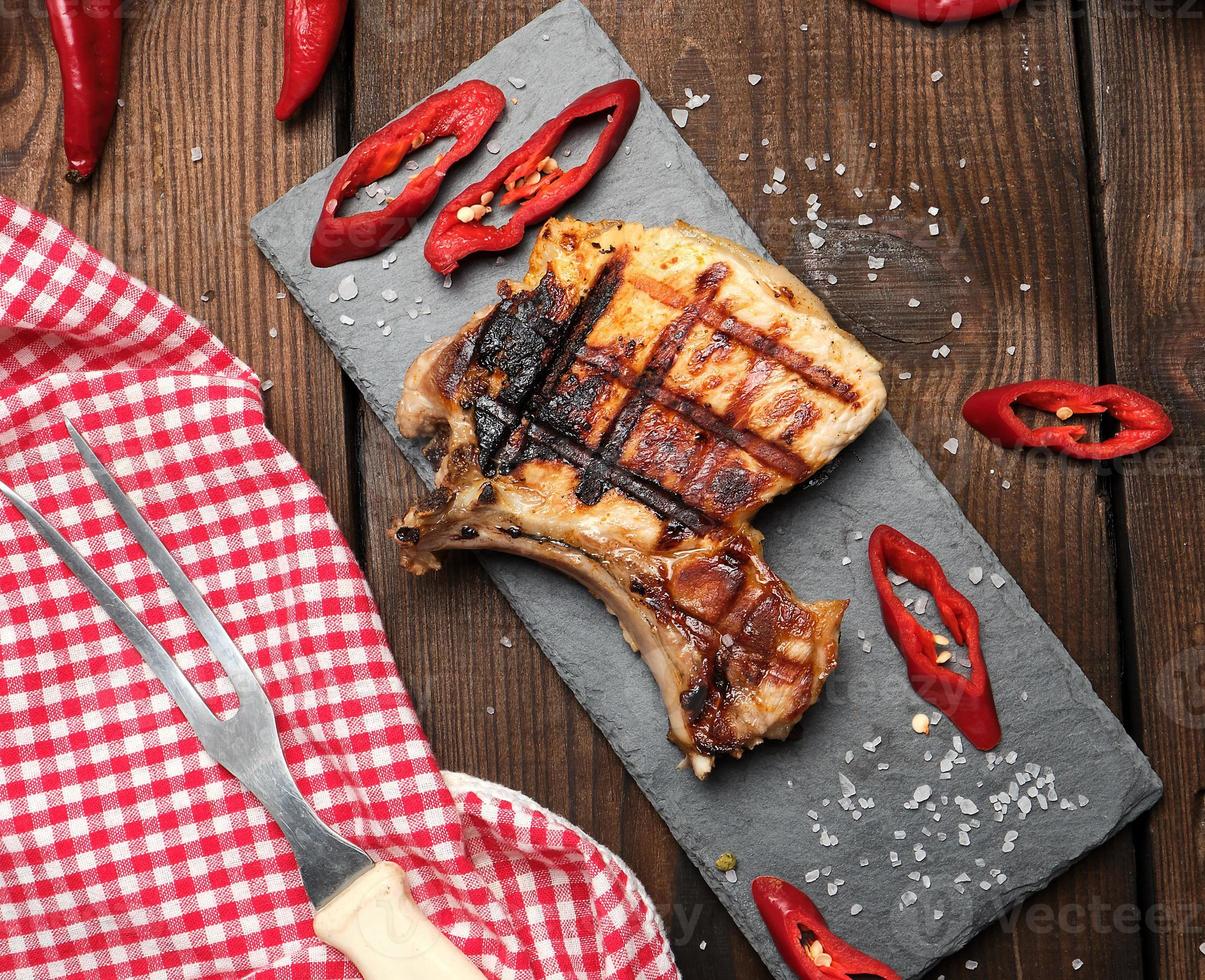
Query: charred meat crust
[620, 415]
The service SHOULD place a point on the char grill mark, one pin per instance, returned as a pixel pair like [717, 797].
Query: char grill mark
[815, 376]
[598, 478]
[532, 339]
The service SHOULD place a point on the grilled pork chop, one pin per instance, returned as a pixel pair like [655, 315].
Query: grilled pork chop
[620, 415]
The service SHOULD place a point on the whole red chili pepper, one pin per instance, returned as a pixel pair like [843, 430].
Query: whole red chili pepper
[805, 940]
[944, 11]
[312, 29]
[966, 702]
[1143, 421]
[466, 112]
[87, 39]
[530, 174]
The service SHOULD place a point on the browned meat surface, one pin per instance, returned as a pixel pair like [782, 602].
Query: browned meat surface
[620, 415]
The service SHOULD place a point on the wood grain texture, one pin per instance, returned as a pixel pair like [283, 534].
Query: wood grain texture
[1148, 85]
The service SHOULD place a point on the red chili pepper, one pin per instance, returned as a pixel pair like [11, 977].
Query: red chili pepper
[312, 29]
[87, 38]
[966, 702]
[804, 938]
[1143, 421]
[466, 112]
[530, 174]
[944, 11]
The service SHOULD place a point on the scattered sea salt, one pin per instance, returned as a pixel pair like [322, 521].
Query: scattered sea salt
[997, 580]
[937, 76]
[895, 203]
[680, 117]
[975, 575]
[754, 79]
[517, 82]
[348, 288]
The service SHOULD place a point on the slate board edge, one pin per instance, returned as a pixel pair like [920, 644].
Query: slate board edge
[752, 927]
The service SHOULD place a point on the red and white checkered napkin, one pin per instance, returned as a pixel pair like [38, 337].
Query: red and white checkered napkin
[124, 850]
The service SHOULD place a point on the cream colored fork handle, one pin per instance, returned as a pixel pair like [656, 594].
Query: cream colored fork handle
[377, 925]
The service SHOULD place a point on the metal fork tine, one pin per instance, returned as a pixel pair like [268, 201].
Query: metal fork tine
[158, 659]
[193, 602]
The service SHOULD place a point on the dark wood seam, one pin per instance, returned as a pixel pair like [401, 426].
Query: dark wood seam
[1117, 518]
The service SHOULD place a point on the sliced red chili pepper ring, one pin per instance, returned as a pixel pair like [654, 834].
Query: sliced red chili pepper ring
[944, 11]
[967, 702]
[312, 29]
[532, 176]
[804, 939]
[1144, 423]
[466, 111]
[87, 39]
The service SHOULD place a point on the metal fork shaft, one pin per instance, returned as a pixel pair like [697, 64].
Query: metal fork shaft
[246, 744]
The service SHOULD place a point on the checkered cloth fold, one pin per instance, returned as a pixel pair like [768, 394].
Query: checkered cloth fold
[125, 850]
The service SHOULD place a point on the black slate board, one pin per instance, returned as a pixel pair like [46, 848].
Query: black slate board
[777, 807]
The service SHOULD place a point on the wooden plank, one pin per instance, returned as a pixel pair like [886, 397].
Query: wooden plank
[1147, 75]
[854, 78]
[202, 73]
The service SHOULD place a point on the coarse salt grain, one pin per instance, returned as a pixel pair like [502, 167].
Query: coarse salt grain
[347, 288]
[956, 320]
[517, 82]
[950, 446]
[975, 575]
[754, 79]
[196, 154]
[680, 117]
[937, 76]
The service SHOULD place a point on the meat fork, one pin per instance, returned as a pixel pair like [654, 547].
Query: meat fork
[364, 908]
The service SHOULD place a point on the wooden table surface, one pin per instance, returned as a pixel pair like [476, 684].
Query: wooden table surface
[1065, 147]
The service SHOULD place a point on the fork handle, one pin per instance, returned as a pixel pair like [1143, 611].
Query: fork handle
[377, 925]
